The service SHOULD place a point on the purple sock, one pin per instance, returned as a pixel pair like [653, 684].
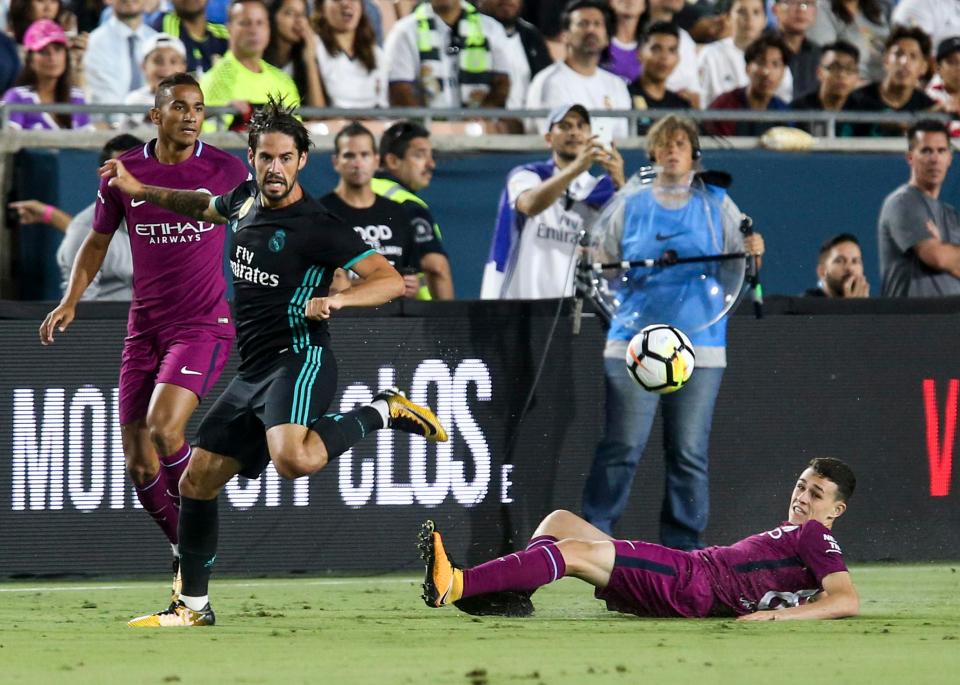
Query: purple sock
[540, 541]
[155, 500]
[520, 571]
[173, 467]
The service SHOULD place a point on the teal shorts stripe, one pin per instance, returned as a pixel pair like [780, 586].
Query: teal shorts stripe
[300, 407]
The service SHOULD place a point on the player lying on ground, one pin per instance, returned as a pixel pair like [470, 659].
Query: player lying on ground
[285, 249]
[795, 571]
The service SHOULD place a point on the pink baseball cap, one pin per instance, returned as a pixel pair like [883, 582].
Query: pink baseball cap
[42, 33]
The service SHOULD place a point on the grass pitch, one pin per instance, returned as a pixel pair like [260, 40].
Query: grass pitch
[376, 630]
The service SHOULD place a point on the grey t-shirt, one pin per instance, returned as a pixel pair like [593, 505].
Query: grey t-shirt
[114, 281]
[903, 224]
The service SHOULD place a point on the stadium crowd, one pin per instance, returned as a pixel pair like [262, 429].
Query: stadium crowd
[857, 55]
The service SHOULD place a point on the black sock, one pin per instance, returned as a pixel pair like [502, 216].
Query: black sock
[199, 529]
[340, 432]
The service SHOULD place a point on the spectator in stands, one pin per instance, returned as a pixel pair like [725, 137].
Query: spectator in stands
[353, 68]
[622, 58]
[527, 51]
[579, 77]
[863, 23]
[204, 40]
[45, 79]
[705, 20]
[293, 49]
[840, 269]
[24, 12]
[722, 64]
[838, 74]
[659, 54]
[766, 61]
[9, 62]
[114, 54]
[163, 55]
[447, 54]
[918, 234]
[904, 64]
[940, 19]
[944, 89]
[545, 206]
[685, 79]
[242, 78]
[795, 18]
[406, 159]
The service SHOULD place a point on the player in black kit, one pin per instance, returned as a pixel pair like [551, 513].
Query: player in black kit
[384, 225]
[285, 248]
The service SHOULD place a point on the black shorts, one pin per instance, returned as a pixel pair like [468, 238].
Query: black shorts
[298, 389]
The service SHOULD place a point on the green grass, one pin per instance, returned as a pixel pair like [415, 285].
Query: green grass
[376, 630]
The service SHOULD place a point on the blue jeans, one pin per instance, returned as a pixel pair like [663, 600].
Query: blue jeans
[687, 415]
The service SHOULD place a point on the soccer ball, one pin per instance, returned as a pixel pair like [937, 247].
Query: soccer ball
[660, 358]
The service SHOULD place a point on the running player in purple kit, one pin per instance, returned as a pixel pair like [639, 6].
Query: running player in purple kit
[179, 330]
[792, 572]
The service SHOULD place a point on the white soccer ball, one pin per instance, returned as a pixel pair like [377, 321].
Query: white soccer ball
[660, 358]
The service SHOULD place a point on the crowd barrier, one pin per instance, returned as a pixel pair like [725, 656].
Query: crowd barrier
[874, 383]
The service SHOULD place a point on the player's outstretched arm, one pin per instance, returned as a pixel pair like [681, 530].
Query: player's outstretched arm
[379, 284]
[838, 600]
[186, 202]
[85, 267]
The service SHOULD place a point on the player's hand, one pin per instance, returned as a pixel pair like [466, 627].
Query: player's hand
[612, 163]
[411, 286]
[753, 245]
[320, 308]
[121, 179]
[591, 154]
[759, 616]
[856, 286]
[59, 318]
[29, 211]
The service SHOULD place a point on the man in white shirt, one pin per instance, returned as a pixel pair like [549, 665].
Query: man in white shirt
[114, 54]
[544, 208]
[526, 47]
[579, 78]
[722, 64]
[685, 79]
[939, 18]
[446, 54]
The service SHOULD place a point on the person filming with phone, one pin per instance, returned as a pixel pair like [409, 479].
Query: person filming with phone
[544, 208]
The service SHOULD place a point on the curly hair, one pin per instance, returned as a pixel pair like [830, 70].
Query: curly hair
[276, 117]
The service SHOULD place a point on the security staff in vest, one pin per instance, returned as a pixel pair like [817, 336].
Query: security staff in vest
[448, 55]
[406, 159]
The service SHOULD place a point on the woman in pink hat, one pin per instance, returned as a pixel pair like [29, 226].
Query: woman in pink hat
[45, 79]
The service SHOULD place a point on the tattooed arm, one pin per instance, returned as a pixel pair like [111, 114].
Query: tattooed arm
[186, 202]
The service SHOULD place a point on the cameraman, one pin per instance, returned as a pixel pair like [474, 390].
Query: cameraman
[685, 215]
[544, 207]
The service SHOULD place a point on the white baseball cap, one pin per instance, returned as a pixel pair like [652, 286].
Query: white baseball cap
[162, 40]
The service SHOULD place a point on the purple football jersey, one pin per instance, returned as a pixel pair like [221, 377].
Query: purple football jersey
[177, 261]
[779, 568]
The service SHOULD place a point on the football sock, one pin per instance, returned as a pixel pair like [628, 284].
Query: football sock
[520, 571]
[156, 502]
[540, 541]
[384, 409]
[195, 603]
[199, 530]
[340, 432]
[174, 465]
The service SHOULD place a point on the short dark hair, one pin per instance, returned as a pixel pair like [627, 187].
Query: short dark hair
[608, 17]
[277, 117]
[833, 241]
[171, 82]
[916, 33]
[767, 40]
[396, 139]
[352, 130]
[926, 126]
[844, 47]
[837, 472]
[660, 27]
[120, 143]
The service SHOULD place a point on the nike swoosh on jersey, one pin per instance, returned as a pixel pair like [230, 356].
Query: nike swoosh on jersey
[136, 203]
[662, 237]
[187, 372]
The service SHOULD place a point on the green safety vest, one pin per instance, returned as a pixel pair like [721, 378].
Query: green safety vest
[474, 56]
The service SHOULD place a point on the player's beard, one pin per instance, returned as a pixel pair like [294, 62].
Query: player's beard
[288, 188]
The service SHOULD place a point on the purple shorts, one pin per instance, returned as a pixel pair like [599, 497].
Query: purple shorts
[651, 580]
[191, 357]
